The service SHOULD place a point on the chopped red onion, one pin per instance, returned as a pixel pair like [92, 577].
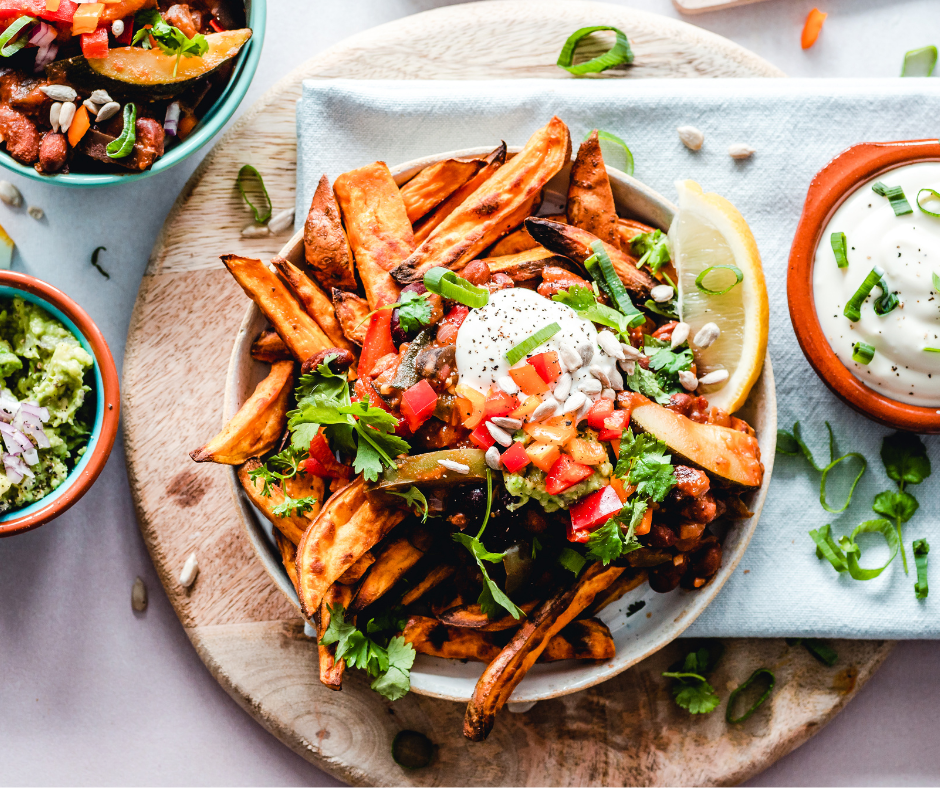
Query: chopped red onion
[42, 35]
[171, 124]
[44, 56]
[12, 467]
[32, 409]
[31, 457]
[9, 405]
[15, 441]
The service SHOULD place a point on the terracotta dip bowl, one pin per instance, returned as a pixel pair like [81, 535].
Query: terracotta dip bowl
[831, 186]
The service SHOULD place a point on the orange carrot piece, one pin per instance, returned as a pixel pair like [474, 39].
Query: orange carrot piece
[80, 124]
[814, 23]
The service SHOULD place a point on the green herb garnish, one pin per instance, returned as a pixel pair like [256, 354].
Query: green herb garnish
[760, 673]
[691, 689]
[652, 249]
[932, 194]
[920, 549]
[123, 145]
[700, 279]
[601, 269]
[817, 648]
[171, 40]
[895, 196]
[414, 497]
[414, 311]
[571, 560]
[905, 459]
[623, 158]
[294, 506]
[619, 53]
[250, 179]
[8, 49]
[863, 353]
[96, 264]
[448, 285]
[584, 302]
[540, 337]
[617, 537]
[839, 249]
[919, 62]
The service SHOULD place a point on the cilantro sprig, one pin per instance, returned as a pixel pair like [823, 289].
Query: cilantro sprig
[171, 40]
[584, 301]
[414, 311]
[906, 462]
[294, 506]
[279, 467]
[652, 249]
[690, 688]
[414, 497]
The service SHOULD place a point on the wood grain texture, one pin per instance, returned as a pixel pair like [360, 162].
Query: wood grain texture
[626, 731]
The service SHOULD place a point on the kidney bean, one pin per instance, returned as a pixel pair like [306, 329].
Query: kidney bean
[660, 536]
[665, 578]
[20, 135]
[53, 151]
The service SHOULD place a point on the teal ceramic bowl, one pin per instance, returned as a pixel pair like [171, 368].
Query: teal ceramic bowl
[106, 393]
[210, 125]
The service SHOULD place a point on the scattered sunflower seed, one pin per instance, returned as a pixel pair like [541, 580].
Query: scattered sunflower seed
[55, 111]
[139, 596]
[610, 345]
[616, 380]
[740, 151]
[679, 335]
[507, 423]
[662, 293]
[601, 376]
[255, 231]
[117, 29]
[91, 107]
[691, 137]
[189, 571]
[562, 387]
[628, 366]
[586, 351]
[569, 356]
[591, 386]
[65, 116]
[507, 384]
[100, 97]
[498, 434]
[107, 111]
[546, 410]
[687, 380]
[707, 335]
[59, 92]
[456, 467]
[718, 376]
[630, 352]
[574, 402]
[609, 394]
[10, 194]
[492, 458]
[281, 221]
[36, 212]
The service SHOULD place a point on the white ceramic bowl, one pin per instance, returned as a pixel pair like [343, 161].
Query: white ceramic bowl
[664, 616]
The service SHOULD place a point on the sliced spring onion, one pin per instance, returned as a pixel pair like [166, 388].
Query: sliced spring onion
[853, 551]
[817, 648]
[96, 264]
[919, 62]
[123, 145]
[895, 196]
[932, 349]
[619, 53]
[412, 750]
[525, 347]
[862, 353]
[827, 548]
[853, 309]
[921, 548]
[825, 475]
[839, 249]
[615, 151]
[448, 285]
[760, 673]
[887, 301]
[249, 173]
[610, 281]
[700, 279]
[9, 43]
[933, 194]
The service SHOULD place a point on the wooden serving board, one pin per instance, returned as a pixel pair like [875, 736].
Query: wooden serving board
[626, 731]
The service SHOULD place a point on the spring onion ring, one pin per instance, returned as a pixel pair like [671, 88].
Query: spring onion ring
[895, 196]
[619, 53]
[8, 49]
[853, 309]
[526, 346]
[448, 285]
[247, 171]
[123, 145]
[616, 146]
[853, 551]
[934, 194]
[738, 273]
[862, 353]
[827, 548]
[921, 548]
[610, 281]
[839, 249]
[817, 648]
[825, 474]
[759, 673]
[919, 62]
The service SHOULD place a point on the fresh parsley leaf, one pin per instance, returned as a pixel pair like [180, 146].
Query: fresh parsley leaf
[267, 478]
[572, 561]
[395, 682]
[652, 248]
[414, 311]
[905, 458]
[669, 362]
[171, 40]
[375, 449]
[898, 505]
[294, 506]
[616, 537]
[414, 497]
[647, 383]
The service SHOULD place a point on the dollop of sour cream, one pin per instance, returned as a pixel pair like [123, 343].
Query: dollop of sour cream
[907, 248]
[510, 317]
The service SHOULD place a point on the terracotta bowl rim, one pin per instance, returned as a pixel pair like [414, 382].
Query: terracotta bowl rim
[105, 429]
[829, 189]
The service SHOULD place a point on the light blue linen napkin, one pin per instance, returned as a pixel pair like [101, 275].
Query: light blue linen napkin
[780, 588]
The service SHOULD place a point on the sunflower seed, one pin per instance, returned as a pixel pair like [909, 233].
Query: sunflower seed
[609, 394]
[585, 409]
[59, 92]
[507, 384]
[591, 386]
[629, 351]
[679, 335]
[189, 572]
[91, 107]
[255, 231]
[662, 293]
[616, 380]
[609, 344]
[498, 434]
[492, 458]
[740, 151]
[569, 356]
[117, 29]
[36, 212]
[628, 366]
[282, 221]
[107, 111]
[54, 112]
[65, 116]
[10, 194]
[586, 351]
[456, 467]
[562, 387]
[718, 376]
[507, 423]
[691, 137]
[546, 410]
[574, 402]
[706, 335]
[598, 373]
[687, 380]
[139, 596]
[100, 97]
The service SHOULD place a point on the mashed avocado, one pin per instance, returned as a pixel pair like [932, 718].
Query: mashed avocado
[41, 362]
[531, 484]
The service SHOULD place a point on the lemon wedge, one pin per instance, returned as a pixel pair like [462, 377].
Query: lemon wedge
[709, 232]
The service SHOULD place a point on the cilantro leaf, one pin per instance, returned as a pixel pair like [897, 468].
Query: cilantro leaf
[583, 301]
[697, 697]
[376, 448]
[169, 39]
[647, 383]
[652, 248]
[616, 537]
[414, 497]
[295, 506]
[572, 561]
[644, 463]
[905, 458]
[414, 311]
[395, 682]
[896, 505]
[492, 598]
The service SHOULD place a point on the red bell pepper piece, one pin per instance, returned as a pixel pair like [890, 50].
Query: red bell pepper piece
[322, 463]
[95, 45]
[378, 341]
[450, 324]
[565, 473]
[127, 37]
[599, 411]
[215, 25]
[418, 404]
[17, 8]
[481, 436]
[515, 458]
[546, 364]
[592, 512]
[498, 403]
[614, 425]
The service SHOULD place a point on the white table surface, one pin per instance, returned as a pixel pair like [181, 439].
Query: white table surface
[94, 694]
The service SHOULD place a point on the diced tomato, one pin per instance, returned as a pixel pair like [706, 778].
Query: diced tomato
[481, 436]
[321, 461]
[95, 45]
[378, 341]
[565, 473]
[127, 36]
[546, 364]
[418, 404]
[450, 324]
[499, 403]
[577, 536]
[515, 458]
[812, 28]
[38, 8]
[528, 379]
[543, 455]
[599, 411]
[592, 512]
[614, 425]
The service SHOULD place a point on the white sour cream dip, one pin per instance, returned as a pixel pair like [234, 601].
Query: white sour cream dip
[907, 248]
[510, 317]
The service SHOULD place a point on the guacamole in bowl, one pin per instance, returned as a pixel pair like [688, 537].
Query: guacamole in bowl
[47, 406]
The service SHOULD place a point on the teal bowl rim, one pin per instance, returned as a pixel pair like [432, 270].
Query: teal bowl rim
[6, 291]
[219, 114]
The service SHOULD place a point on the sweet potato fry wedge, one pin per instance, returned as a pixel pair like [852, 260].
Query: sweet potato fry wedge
[491, 163]
[505, 672]
[354, 574]
[292, 526]
[269, 347]
[288, 551]
[325, 245]
[396, 558]
[299, 331]
[622, 585]
[306, 485]
[433, 578]
[473, 617]
[347, 526]
[585, 639]
[331, 671]
[525, 266]
[434, 184]
[259, 423]
[519, 240]
[315, 302]
[492, 210]
[377, 225]
[351, 311]
[627, 229]
[575, 244]
[590, 203]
